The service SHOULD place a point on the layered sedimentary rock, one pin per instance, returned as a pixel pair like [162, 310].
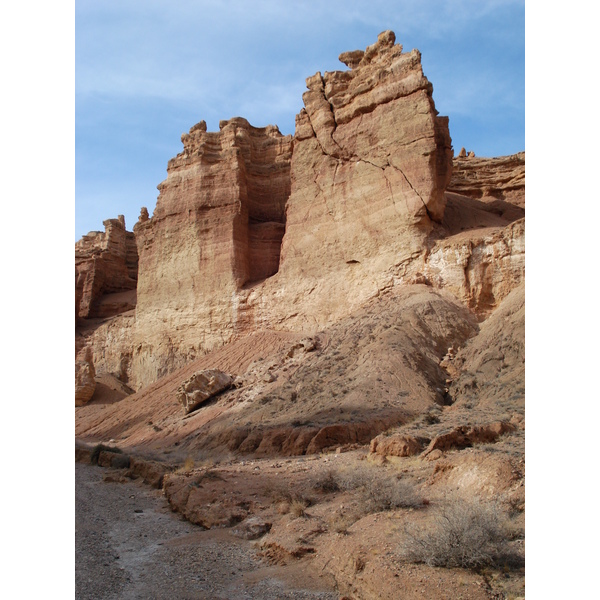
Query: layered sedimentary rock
[217, 226]
[106, 266]
[246, 235]
[371, 162]
[254, 230]
[498, 178]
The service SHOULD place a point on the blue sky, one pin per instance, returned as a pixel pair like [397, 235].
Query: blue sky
[145, 72]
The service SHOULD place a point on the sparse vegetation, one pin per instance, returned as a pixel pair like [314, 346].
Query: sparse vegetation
[379, 490]
[463, 532]
[327, 483]
[187, 466]
[290, 502]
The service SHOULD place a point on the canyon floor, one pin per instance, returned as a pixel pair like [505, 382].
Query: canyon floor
[333, 452]
[131, 545]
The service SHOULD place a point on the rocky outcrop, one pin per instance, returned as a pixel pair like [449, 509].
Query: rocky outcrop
[254, 230]
[106, 266]
[396, 445]
[201, 386]
[85, 382]
[480, 268]
[465, 436]
[217, 227]
[501, 178]
[246, 233]
[371, 161]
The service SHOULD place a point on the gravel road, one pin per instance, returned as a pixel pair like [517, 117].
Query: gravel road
[130, 545]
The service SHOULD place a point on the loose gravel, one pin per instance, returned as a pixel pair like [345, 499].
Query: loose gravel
[130, 545]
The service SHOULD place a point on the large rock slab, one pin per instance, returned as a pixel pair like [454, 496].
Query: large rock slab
[201, 386]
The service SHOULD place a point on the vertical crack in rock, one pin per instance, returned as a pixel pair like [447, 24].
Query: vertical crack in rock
[412, 188]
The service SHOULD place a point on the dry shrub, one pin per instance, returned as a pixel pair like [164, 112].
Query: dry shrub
[298, 507]
[289, 502]
[187, 466]
[462, 532]
[340, 522]
[327, 483]
[379, 490]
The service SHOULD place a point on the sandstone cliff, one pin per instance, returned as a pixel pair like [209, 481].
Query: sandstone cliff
[254, 230]
[352, 293]
[106, 266]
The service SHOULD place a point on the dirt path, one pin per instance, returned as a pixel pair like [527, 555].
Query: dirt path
[130, 545]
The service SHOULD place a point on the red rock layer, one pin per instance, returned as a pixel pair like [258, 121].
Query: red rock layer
[217, 226]
[105, 264]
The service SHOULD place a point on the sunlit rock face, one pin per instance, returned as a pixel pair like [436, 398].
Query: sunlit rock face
[217, 227]
[370, 164]
[255, 230]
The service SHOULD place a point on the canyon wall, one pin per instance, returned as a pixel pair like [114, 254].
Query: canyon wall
[106, 267]
[217, 226]
[254, 230]
[248, 234]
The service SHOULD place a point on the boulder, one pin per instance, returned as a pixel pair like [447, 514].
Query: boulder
[396, 445]
[201, 386]
[252, 528]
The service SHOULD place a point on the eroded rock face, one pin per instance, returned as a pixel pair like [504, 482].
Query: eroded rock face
[106, 266]
[396, 445]
[200, 387]
[500, 178]
[480, 268]
[85, 382]
[254, 230]
[217, 227]
[370, 164]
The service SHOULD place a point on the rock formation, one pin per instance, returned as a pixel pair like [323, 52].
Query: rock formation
[85, 382]
[501, 178]
[201, 386]
[359, 193]
[106, 266]
[254, 230]
[217, 227]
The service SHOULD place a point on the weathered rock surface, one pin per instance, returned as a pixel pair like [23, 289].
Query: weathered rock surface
[256, 230]
[480, 267]
[370, 164]
[319, 226]
[396, 445]
[106, 271]
[252, 528]
[85, 384]
[501, 178]
[371, 371]
[201, 386]
[465, 436]
[217, 227]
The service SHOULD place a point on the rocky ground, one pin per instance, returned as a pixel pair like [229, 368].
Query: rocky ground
[294, 444]
[129, 545]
